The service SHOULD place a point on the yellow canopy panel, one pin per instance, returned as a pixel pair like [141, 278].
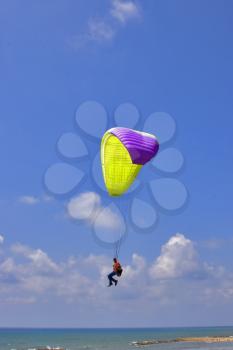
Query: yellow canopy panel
[118, 170]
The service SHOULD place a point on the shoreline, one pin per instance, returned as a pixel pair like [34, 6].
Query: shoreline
[211, 339]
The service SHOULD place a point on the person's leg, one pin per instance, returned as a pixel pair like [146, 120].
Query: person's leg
[111, 279]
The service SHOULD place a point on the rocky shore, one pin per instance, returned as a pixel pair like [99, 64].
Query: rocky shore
[183, 340]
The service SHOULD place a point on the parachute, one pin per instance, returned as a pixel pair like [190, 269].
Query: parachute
[123, 153]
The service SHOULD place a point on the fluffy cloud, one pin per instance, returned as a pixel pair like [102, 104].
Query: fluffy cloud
[136, 269]
[84, 206]
[30, 276]
[124, 10]
[178, 258]
[87, 206]
[38, 258]
[30, 273]
[109, 219]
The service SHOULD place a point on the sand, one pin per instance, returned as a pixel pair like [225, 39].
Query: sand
[187, 340]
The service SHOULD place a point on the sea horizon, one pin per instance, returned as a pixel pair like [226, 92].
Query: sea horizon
[111, 338]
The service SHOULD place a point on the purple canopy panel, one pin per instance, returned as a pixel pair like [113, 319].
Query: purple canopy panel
[140, 145]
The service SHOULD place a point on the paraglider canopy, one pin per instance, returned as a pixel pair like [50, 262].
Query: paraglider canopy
[123, 153]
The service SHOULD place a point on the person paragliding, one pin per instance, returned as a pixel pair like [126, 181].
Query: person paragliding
[124, 152]
[117, 271]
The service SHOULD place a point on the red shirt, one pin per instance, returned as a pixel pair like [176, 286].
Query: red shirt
[116, 266]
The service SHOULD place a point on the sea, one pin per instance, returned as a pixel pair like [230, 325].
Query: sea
[109, 339]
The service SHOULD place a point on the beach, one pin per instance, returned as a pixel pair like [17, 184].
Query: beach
[210, 340]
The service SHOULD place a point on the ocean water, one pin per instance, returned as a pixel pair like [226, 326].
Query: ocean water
[108, 339]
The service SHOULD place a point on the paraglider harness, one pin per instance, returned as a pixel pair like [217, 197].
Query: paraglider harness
[119, 269]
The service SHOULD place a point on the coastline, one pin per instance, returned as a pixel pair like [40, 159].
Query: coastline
[213, 339]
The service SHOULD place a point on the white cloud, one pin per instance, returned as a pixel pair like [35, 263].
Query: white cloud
[178, 258]
[30, 200]
[107, 218]
[1, 239]
[84, 206]
[40, 276]
[104, 28]
[87, 206]
[136, 268]
[124, 10]
[100, 30]
[7, 266]
[38, 258]
[31, 276]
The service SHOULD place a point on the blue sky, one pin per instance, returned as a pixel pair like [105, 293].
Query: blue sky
[161, 56]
